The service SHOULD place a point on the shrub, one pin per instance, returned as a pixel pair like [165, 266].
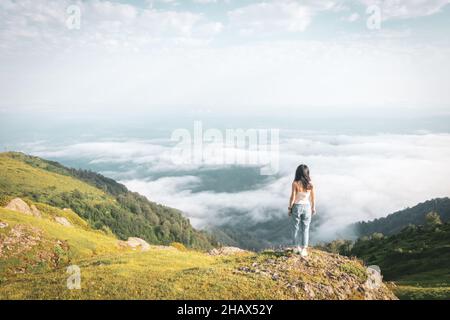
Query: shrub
[178, 246]
[377, 236]
[433, 219]
[4, 200]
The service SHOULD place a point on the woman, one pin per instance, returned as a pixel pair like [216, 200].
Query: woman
[302, 208]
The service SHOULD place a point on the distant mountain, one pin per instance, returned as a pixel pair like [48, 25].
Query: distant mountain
[397, 221]
[246, 233]
[252, 235]
[105, 204]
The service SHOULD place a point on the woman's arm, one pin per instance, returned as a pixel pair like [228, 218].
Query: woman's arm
[292, 198]
[313, 201]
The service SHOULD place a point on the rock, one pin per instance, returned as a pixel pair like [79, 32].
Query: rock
[244, 269]
[309, 291]
[63, 221]
[35, 211]
[293, 288]
[19, 205]
[226, 251]
[374, 278]
[3, 225]
[300, 277]
[328, 289]
[136, 243]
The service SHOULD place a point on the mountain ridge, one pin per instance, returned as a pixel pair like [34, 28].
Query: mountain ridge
[103, 202]
[397, 221]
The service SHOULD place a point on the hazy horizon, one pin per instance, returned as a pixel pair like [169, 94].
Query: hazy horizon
[357, 89]
[360, 172]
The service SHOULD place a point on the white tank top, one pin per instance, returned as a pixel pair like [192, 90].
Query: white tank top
[302, 197]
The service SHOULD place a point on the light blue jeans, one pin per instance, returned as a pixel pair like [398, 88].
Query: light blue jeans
[301, 219]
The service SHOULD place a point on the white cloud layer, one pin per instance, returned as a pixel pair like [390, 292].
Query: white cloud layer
[356, 177]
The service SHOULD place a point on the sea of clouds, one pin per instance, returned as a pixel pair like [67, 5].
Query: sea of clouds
[357, 177]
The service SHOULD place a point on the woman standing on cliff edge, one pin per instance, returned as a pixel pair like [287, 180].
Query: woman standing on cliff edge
[302, 208]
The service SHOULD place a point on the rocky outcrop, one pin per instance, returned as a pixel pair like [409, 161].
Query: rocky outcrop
[29, 249]
[226, 251]
[19, 205]
[135, 244]
[320, 276]
[20, 239]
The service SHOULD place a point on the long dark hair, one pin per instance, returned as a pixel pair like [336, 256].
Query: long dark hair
[302, 177]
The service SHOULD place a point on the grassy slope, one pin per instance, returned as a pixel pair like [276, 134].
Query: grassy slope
[17, 175]
[109, 271]
[83, 241]
[103, 202]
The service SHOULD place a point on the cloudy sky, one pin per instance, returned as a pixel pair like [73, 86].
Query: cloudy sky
[89, 83]
[157, 54]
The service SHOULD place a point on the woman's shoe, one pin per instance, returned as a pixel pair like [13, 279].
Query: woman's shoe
[304, 252]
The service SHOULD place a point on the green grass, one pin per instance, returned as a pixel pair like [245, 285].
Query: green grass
[111, 272]
[156, 274]
[20, 178]
[418, 292]
[83, 241]
[355, 269]
[430, 285]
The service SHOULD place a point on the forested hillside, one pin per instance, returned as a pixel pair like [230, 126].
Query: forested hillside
[397, 221]
[103, 202]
